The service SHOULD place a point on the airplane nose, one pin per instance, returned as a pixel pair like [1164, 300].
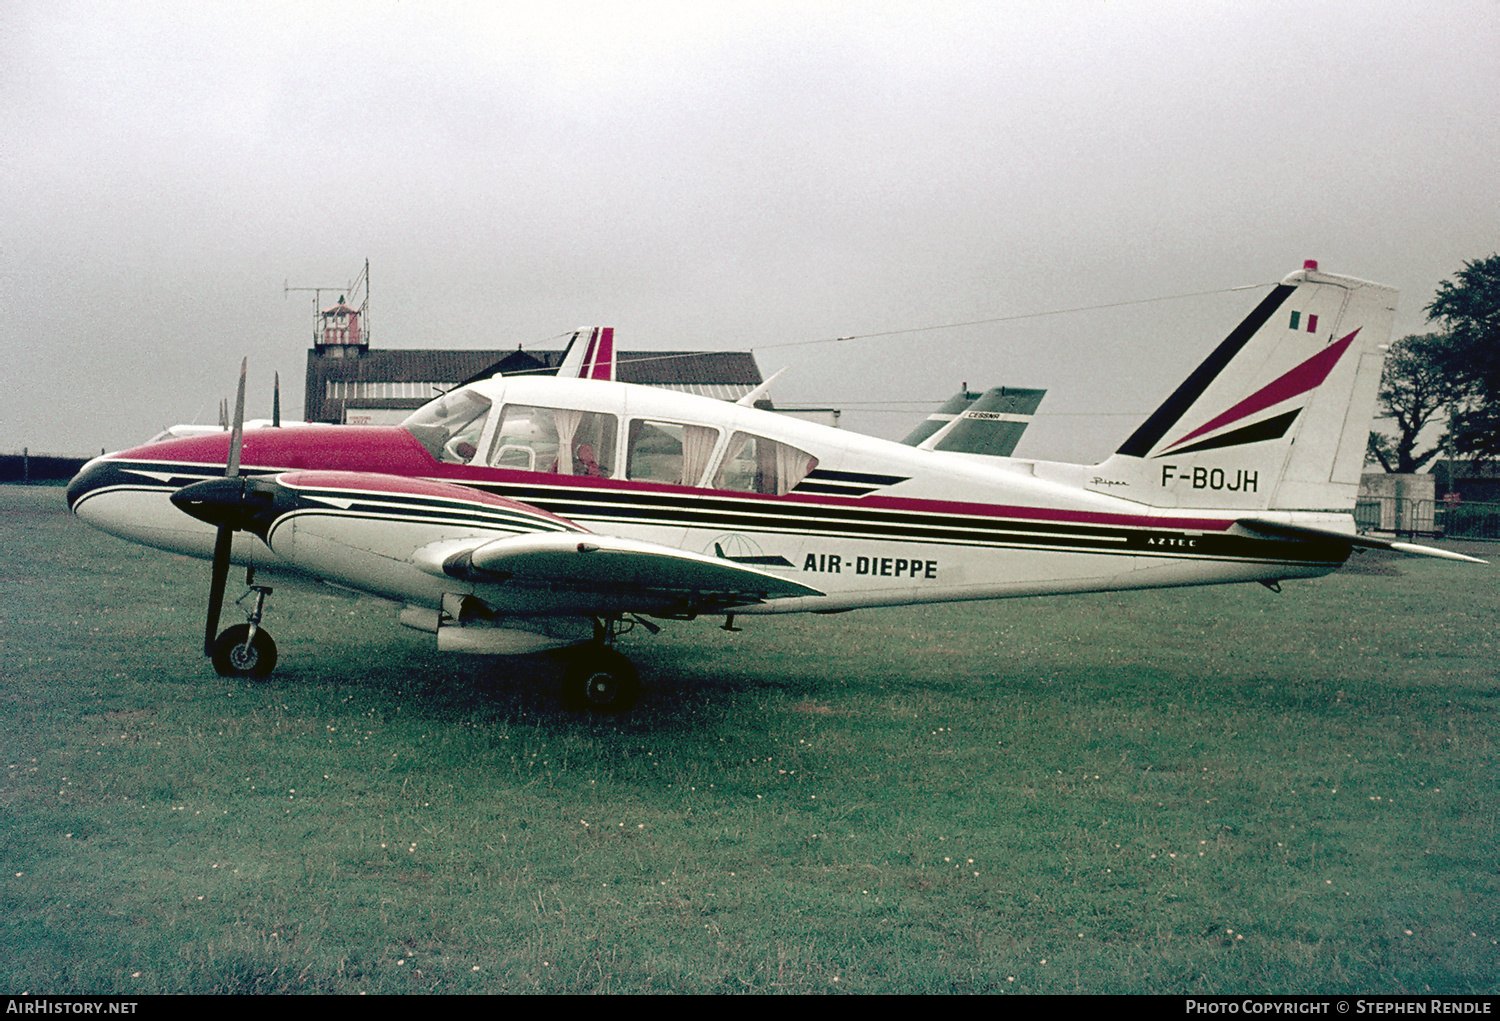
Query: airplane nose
[118, 497]
[90, 478]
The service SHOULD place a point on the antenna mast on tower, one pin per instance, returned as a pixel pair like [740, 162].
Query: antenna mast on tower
[358, 288]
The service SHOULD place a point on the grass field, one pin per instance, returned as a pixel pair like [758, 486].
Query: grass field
[1196, 791]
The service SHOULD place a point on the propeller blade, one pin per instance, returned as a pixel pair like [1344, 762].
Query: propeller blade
[225, 537]
[218, 580]
[237, 439]
[276, 402]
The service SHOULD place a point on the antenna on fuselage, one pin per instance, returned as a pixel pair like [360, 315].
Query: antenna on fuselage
[750, 398]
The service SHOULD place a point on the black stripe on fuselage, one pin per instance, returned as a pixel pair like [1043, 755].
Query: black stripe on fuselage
[416, 509]
[827, 482]
[600, 508]
[833, 489]
[855, 478]
[130, 476]
[138, 477]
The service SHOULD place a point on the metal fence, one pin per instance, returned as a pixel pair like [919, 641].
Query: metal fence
[1470, 520]
[27, 467]
[1427, 518]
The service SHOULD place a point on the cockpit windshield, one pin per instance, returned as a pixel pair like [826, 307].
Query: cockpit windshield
[450, 426]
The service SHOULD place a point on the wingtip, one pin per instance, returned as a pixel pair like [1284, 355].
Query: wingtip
[1429, 551]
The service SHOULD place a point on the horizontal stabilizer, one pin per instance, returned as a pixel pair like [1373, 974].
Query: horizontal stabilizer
[1280, 530]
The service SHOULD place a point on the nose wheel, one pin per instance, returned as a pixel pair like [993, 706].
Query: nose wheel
[238, 653]
[245, 650]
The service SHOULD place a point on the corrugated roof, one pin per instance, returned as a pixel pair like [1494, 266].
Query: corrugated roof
[718, 391]
[660, 368]
[695, 371]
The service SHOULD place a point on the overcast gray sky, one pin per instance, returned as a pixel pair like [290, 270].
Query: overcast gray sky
[720, 176]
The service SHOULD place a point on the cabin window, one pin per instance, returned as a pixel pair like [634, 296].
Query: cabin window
[671, 452]
[450, 426]
[557, 440]
[754, 464]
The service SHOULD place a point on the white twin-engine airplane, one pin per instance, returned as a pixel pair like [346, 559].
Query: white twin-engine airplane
[520, 514]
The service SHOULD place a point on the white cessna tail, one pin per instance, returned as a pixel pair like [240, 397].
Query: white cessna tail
[1277, 418]
[989, 424]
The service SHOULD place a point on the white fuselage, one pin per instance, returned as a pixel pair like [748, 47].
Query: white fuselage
[863, 521]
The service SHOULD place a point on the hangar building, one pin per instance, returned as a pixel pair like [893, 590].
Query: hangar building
[350, 383]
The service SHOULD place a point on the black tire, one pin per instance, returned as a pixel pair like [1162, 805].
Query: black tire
[601, 680]
[233, 658]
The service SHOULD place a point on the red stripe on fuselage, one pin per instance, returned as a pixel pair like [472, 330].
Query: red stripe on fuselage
[392, 451]
[367, 482]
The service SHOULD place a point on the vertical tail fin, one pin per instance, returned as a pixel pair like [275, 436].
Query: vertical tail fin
[946, 414]
[990, 423]
[590, 355]
[1278, 416]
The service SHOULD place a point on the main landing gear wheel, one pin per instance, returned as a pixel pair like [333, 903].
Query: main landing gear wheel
[602, 680]
[233, 656]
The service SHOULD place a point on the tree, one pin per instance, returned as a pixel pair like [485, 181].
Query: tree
[1454, 372]
[1414, 389]
[1469, 313]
